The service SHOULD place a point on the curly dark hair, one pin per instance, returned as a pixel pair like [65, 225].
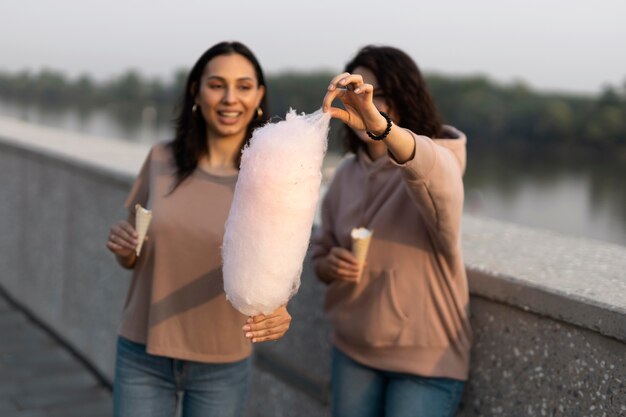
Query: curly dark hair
[401, 83]
[190, 142]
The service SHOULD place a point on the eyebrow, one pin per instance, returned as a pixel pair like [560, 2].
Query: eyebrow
[212, 77]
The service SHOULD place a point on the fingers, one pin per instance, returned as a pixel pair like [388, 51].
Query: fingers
[333, 92]
[347, 80]
[344, 254]
[355, 95]
[263, 328]
[122, 238]
[280, 314]
[114, 247]
[345, 274]
[330, 96]
[124, 235]
[338, 87]
[343, 265]
[266, 335]
[336, 79]
[271, 329]
[130, 230]
[119, 250]
[335, 112]
[343, 262]
[364, 89]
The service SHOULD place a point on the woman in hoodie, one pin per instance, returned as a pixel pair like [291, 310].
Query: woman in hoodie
[401, 333]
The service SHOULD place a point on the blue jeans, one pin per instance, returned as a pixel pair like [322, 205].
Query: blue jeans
[147, 385]
[361, 391]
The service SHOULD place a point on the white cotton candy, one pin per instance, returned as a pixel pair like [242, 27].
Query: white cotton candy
[270, 219]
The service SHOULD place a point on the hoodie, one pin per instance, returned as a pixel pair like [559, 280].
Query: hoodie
[409, 312]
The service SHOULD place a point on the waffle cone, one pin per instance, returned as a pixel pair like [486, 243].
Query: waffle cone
[360, 248]
[142, 221]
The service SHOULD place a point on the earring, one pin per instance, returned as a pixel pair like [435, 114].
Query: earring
[259, 113]
[194, 109]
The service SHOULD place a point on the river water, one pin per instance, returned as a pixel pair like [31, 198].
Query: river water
[580, 195]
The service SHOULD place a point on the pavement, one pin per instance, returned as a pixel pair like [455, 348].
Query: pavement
[39, 377]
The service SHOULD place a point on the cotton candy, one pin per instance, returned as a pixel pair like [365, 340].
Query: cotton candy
[269, 224]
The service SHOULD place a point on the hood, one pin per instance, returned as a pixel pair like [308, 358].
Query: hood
[456, 141]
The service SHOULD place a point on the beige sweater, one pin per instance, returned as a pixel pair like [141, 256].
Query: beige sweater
[176, 303]
[409, 312]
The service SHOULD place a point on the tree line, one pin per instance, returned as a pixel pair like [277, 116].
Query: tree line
[489, 112]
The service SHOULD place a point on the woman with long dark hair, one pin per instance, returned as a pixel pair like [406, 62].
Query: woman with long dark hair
[401, 333]
[178, 332]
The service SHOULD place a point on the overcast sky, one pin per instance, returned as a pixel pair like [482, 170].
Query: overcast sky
[565, 45]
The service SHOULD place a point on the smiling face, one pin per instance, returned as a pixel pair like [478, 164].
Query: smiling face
[228, 96]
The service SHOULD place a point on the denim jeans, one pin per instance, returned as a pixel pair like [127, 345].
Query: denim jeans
[361, 391]
[148, 385]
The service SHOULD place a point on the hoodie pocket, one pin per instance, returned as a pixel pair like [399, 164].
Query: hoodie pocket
[371, 315]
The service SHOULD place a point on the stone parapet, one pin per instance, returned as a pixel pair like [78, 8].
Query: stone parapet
[548, 311]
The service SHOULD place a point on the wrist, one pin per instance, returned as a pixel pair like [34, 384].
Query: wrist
[378, 134]
[127, 261]
[379, 127]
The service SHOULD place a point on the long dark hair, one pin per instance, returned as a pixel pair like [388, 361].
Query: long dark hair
[190, 141]
[404, 89]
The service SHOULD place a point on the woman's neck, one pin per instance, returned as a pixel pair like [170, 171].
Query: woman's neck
[222, 155]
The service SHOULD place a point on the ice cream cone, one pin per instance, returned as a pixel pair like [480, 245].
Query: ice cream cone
[361, 238]
[142, 221]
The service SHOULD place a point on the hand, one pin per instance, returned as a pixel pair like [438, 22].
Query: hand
[262, 328]
[122, 239]
[358, 99]
[340, 264]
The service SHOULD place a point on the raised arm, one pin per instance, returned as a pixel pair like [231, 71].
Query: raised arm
[433, 173]
[361, 113]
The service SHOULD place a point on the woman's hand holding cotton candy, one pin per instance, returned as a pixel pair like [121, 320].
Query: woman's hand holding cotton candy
[361, 114]
[358, 99]
[265, 328]
[339, 264]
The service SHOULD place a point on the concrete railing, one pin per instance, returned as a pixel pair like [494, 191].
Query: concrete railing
[548, 311]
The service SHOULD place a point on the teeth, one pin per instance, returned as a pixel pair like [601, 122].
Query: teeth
[229, 113]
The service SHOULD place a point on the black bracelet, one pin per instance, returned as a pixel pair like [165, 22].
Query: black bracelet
[386, 132]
